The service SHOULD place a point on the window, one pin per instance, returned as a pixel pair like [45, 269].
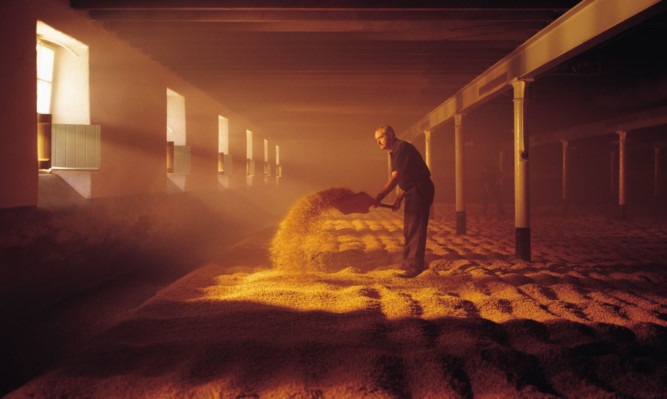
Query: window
[250, 162]
[223, 145]
[63, 87]
[267, 165]
[178, 153]
[175, 118]
[279, 169]
[65, 138]
[224, 157]
[45, 62]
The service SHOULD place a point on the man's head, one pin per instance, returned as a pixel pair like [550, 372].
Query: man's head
[385, 137]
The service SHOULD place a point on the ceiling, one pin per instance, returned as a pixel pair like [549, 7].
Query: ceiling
[307, 70]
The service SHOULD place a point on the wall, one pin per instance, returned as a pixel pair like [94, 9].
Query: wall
[127, 98]
[18, 179]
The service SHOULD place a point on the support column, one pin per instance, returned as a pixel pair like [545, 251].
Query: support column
[501, 169]
[564, 190]
[521, 189]
[389, 171]
[656, 172]
[612, 174]
[388, 165]
[459, 157]
[622, 148]
[427, 148]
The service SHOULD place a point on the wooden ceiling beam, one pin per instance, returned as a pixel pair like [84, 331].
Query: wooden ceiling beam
[522, 5]
[444, 30]
[286, 15]
[213, 51]
[199, 33]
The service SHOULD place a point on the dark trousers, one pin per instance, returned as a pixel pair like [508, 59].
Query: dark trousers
[418, 200]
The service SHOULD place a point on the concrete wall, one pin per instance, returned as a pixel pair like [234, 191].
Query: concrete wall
[127, 98]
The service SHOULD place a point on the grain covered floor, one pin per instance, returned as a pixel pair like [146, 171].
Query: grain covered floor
[586, 318]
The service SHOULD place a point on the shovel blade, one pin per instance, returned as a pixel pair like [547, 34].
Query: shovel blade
[355, 203]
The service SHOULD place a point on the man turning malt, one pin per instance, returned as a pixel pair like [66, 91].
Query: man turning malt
[410, 173]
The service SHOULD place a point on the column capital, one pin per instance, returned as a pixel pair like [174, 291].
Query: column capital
[518, 80]
[519, 86]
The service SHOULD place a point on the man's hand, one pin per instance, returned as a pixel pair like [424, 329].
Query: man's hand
[396, 205]
[378, 199]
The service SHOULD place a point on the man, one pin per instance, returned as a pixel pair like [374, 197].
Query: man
[410, 173]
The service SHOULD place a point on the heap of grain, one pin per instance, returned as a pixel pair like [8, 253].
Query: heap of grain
[301, 244]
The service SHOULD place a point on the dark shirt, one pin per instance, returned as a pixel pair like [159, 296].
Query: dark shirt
[407, 160]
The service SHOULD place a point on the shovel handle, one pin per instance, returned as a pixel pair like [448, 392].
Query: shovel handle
[386, 206]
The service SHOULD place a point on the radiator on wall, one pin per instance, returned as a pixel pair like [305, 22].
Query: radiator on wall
[75, 146]
[178, 158]
[182, 159]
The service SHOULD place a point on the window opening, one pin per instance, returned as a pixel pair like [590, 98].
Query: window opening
[223, 145]
[224, 157]
[45, 63]
[279, 168]
[267, 165]
[178, 153]
[65, 138]
[250, 162]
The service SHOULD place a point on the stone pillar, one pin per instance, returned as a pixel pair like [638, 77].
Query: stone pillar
[564, 189]
[459, 159]
[622, 148]
[388, 166]
[521, 188]
[656, 172]
[612, 174]
[501, 169]
[427, 148]
[389, 171]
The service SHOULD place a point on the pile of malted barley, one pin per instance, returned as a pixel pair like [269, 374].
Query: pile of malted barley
[300, 244]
